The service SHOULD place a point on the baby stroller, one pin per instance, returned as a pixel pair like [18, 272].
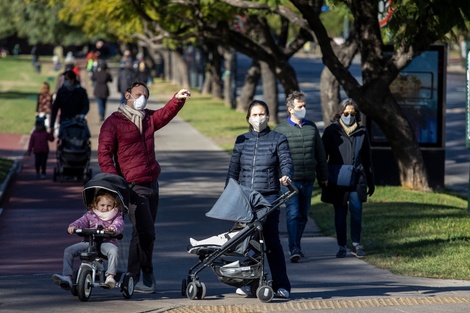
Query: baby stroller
[92, 270]
[240, 260]
[73, 151]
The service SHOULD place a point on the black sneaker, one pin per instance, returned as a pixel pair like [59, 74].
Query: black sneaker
[295, 256]
[358, 251]
[342, 252]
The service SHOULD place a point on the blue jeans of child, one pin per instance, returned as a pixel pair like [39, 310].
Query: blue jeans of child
[341, 212]
[297, 211]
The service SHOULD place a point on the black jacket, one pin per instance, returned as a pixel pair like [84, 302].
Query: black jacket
[71, 102]
[259, 160]
[340, 149]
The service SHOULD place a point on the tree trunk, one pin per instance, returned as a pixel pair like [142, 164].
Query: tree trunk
[269, 91]
[400, 136]
[329, 94]
[229, 58]
[329, 85]
[181, 70]
[249, 86]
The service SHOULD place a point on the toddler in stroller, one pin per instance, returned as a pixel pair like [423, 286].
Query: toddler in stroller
[73, 150]
[106, 197]
[236, 257]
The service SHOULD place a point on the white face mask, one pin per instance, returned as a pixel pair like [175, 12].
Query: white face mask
[300, 114]
[140, 103]
[258, 123]
[106, 216]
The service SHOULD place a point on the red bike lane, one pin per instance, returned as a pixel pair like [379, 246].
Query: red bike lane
[35, 214]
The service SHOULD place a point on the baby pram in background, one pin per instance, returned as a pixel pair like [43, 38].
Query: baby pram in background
[240, 260]
[73, 151]
[92, 270]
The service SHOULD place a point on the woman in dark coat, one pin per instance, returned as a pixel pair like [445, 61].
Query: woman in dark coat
[340, 139]
[261, 161]
[101, 77]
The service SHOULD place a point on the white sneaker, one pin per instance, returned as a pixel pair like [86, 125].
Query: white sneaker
[110, 282]
[244, 291]
[282, 293]
[63, 281]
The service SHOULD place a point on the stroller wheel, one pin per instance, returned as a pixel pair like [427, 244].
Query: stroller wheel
[201, 291]
[265, 293]
[192, 290]
[184, 284]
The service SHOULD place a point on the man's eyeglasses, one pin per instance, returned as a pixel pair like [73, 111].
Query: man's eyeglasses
[347, 114]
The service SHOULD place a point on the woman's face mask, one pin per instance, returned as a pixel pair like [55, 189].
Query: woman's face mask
[140, 103]
[348, 120]
[259, 123]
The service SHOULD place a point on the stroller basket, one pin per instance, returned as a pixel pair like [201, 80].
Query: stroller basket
[237, 270]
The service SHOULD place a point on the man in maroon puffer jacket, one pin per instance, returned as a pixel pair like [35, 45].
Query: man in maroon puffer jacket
[127, 148]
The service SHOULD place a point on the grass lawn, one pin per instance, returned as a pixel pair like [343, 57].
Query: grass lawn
[407, 232]
[19, 86]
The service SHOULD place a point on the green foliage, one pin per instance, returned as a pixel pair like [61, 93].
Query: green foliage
[411, 233]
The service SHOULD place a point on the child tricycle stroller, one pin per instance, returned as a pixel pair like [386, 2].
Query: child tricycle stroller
[92, 270]
[240, 260]
[73, 151]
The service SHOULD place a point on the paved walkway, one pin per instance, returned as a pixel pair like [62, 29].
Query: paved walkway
[32, 237]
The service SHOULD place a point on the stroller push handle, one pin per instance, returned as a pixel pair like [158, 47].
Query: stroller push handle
[291, 187]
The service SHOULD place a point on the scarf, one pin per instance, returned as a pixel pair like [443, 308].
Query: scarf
[106, 216]
[133, 115]
[348, 129]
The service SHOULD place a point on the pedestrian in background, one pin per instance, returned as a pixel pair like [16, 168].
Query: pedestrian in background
[72, 100]
[261, 161]
[126, 77]
[39, 145]
[346, 142]
[101, 77]
[308, 155]
[44, 103]
[126, 147]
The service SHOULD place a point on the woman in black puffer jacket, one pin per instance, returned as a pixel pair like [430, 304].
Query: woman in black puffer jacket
[261, 161]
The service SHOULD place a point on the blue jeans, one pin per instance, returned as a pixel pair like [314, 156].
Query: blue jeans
[297, 212]
[101, 107]
[341, 212]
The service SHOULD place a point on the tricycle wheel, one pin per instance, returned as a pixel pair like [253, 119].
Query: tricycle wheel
[85, 284]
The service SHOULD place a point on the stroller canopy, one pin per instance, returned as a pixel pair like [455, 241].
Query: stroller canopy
[237, 203]
[111, 182]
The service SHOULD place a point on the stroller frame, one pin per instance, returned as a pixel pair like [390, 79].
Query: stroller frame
[193, 288]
